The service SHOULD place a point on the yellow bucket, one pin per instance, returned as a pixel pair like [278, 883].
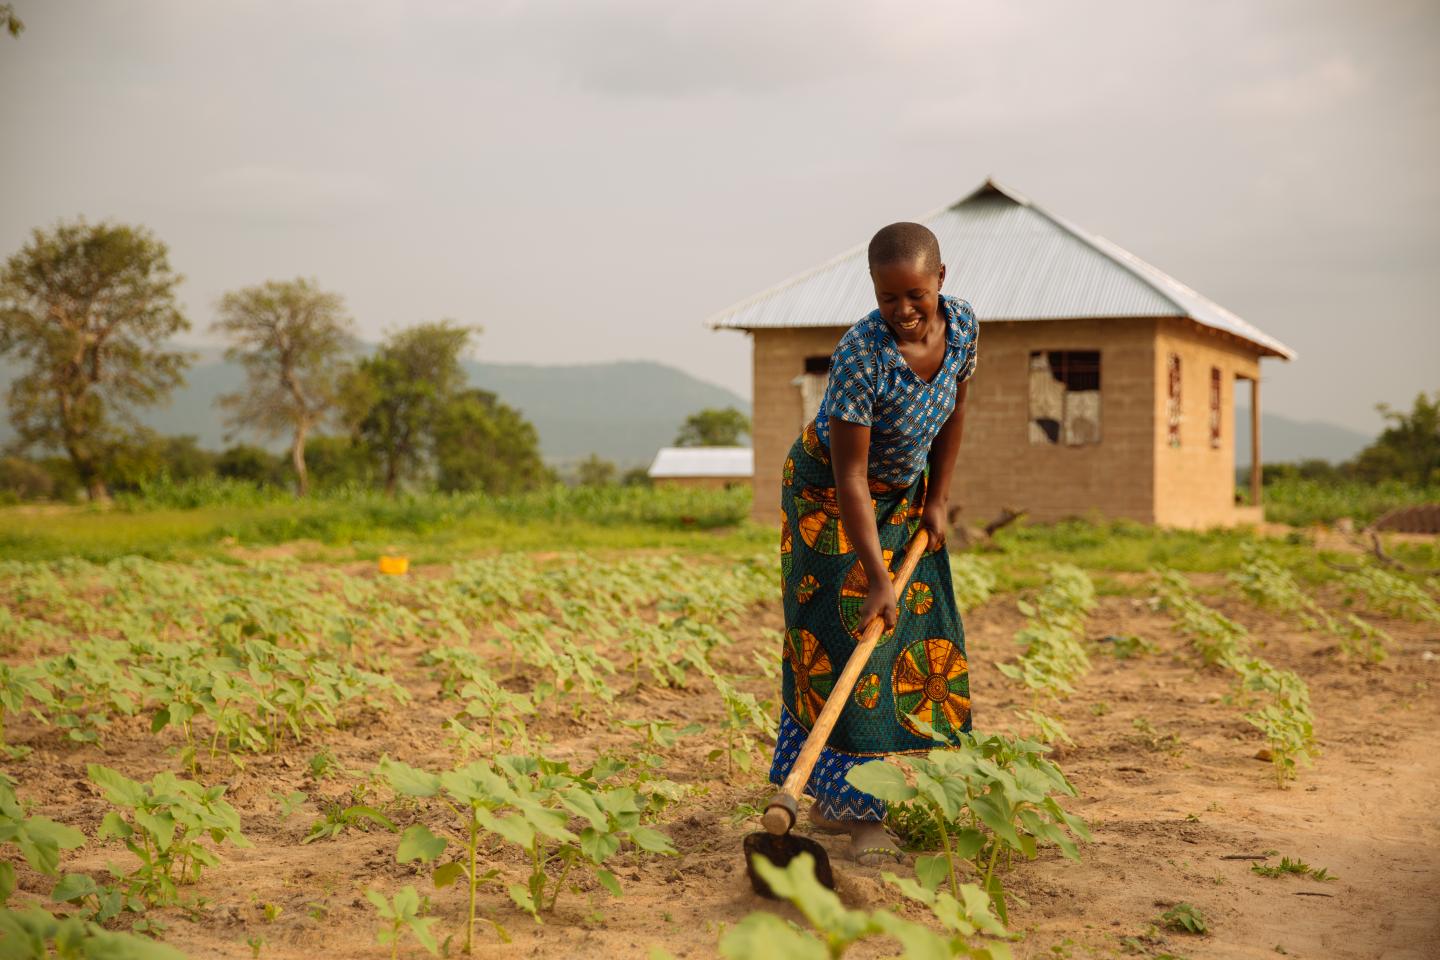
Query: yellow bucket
[394, 566]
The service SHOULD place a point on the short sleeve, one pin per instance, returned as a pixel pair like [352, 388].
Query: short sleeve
[854, 375]
[967, 338]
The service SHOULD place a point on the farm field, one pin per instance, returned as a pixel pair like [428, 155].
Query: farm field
[353, 721]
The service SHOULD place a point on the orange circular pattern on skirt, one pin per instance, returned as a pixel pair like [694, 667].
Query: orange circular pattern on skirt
[919, 598]
[852, 597]
[814, 677]
[867, 691]
[932, 685]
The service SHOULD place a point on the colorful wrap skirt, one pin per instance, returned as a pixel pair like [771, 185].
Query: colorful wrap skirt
[917, 679]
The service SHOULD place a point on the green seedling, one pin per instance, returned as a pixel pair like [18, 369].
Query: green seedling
[1184, 918]
[987, 798]
[401, 915]
[528, 802]
[337, 817]
[164, 824]
[37, 934]
[764, 936]
[39, 839]
[1297, 867]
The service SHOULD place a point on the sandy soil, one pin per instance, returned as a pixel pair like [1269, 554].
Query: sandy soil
[1167, 809]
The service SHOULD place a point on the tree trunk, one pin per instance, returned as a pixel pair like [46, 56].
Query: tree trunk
[392, 476]
[297, 458]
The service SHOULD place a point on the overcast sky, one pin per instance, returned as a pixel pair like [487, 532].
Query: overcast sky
[590, 181]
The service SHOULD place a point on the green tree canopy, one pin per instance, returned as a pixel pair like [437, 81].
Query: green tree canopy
[1408, 449]
[713, 428]
[483, 444]
[395, 401]
[87, 311]
[289, 337]
[595, 471]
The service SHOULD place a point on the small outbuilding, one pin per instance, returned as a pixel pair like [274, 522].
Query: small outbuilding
[717, 467]
[1103, 385]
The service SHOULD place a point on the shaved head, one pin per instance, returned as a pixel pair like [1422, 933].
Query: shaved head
[905, 243]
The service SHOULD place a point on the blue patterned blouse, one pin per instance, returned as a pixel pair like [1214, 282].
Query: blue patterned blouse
[872, 385]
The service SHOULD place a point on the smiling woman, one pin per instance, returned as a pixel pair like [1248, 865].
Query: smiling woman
[871, 469]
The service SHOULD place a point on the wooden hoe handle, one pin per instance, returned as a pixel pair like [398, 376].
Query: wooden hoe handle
[780, 814]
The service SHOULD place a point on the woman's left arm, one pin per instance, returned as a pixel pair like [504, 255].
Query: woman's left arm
[942, 466]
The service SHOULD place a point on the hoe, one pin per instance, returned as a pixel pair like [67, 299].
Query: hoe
[777, 844]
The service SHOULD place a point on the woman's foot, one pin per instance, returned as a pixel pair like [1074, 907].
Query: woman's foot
[825, 825]
[871, 845]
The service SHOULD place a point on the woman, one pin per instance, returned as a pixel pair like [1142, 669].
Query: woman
[873, 467]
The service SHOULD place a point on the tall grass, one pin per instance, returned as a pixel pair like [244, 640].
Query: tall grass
[210, 516]
[1302, 502]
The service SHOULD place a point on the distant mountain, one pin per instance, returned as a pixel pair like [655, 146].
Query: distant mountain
[622, 411]
[625, 411]
[1283, 440]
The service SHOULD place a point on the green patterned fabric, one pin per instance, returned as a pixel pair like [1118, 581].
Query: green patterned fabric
[918, 671]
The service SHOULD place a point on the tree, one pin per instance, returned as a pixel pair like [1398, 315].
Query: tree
[244, 461]
[1408, 449]
[88, 310]
[289, 337]
[337, 461]
[595, 472]
[713, 428]
[12, 23]
[483, 444]
[396, 399]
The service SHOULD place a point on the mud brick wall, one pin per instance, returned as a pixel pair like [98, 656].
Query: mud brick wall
[1131, 473]
[1194, 482]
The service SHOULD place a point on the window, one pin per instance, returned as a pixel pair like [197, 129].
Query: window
[1065, 396]
[1172, 402]
[1214, 408]
[812, 385]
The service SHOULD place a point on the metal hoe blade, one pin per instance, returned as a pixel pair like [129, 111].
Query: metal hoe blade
[780, 850]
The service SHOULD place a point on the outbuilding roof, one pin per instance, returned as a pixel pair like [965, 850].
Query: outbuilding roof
[703, 462]
[1013, 260]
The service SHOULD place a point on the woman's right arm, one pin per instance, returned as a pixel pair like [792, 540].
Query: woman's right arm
[850, 456]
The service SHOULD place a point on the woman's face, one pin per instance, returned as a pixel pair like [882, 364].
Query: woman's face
[908, 296]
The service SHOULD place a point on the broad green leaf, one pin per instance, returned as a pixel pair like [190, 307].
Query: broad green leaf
[967, 843]
[420, 927]
[407, 780]
[932, 871]
[511, 827]
[418, 843]
[116, 787]
[407, 902]
[764, 936]
[598, 845]
[7, 881]
[608, 881]
[43, 828]
[881, 780]
[448, 873]
[919, 941]
[73, 886]
[378, 899]
[652, 841]
[114, 825]
[160, 826]
[521, 895]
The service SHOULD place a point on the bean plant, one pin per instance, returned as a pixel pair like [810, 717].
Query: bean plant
[527, 802]
[987, 798]
[971, 930]
[164, 823]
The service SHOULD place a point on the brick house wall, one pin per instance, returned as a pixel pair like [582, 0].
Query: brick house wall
[1131, 473]
[1195, 482]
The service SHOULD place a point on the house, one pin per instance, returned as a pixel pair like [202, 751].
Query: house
[1103, 384]
[720, 467]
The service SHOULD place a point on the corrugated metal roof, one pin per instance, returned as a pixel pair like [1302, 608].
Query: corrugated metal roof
[703, 462]
[1012, 260]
